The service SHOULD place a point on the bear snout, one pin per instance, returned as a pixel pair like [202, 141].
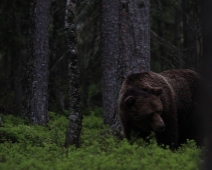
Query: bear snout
[159, 128]
[158, 124]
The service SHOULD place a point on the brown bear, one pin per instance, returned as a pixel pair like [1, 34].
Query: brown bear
[165, 103]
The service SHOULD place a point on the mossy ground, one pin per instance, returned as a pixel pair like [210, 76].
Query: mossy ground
[26, 147]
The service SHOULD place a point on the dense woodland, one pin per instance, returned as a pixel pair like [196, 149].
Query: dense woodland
[71, 56]
[175, 42]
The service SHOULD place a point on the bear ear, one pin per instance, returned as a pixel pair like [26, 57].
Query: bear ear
[129, 101]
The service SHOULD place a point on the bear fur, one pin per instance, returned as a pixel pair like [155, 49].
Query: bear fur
[165, 103]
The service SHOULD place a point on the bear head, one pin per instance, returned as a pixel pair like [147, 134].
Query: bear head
[143, 107]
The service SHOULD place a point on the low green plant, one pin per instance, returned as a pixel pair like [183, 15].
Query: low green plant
[25, 147]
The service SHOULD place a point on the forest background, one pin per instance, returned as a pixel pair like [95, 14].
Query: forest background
[176, 42]
[174, 36]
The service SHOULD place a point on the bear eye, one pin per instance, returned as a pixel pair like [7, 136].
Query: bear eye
[148, 116]
[133, 109]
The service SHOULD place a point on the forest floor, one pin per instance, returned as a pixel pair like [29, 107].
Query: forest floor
[27, 147]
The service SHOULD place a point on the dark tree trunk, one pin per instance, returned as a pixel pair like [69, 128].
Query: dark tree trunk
[16, 63]
[110, 55]
[37, 90]
[189, 34]
[75, 119]
[58, 76]
[161, 30]
[207, 72]
[178, 21]
[17, 84]
[135, 44]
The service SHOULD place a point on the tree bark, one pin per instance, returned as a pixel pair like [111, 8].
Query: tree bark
[207, 70]
[125, 49]
[58, 76]
[75, 119]
[17, 85]
[110, 55]
[178, 20]
[16, 62]
[135, 36]
[135, 45]
[189, 35]
[37, 90]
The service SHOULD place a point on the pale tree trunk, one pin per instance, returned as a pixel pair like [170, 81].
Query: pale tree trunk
[37, 90]
[135, 36]
[110, 55]
[135, 43]
[75, 119]
[207, 70]
[125, 49]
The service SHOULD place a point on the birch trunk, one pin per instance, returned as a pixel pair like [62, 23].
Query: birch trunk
[75, 118]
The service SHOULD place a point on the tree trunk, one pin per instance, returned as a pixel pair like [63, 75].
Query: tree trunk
[207, 70]
[189, 35]
[125, 49]
[178, 40]
[75, 119]
[135, 44]
[135, 36]
[37, 90]
[16, 63]
[17, 85]
[58, 75]
[161, 30]
[110, 55]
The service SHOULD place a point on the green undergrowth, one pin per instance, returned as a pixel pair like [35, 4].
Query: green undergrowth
[25, 147]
